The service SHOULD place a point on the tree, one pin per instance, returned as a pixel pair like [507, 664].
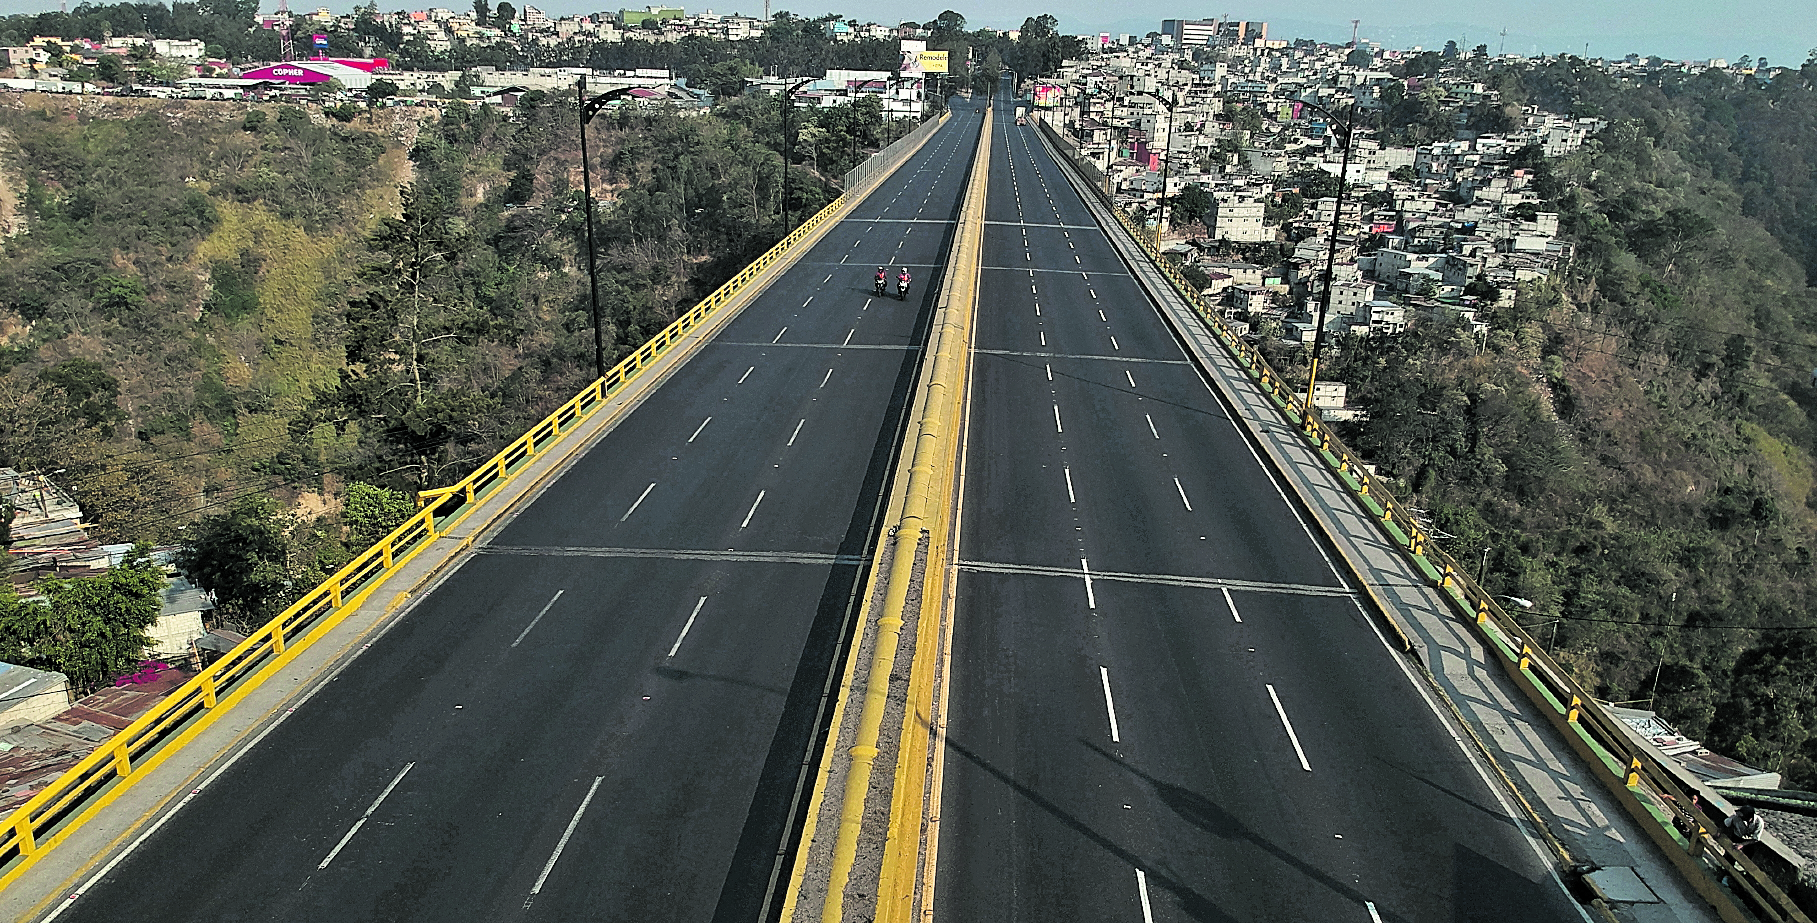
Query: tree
[90, 393]
[482, 14]
[371, 513]
[1404, 174]
[1191, 205]
[504, 14]
[90, 629]
[380, 90]
[241, 557]
[1359, 57]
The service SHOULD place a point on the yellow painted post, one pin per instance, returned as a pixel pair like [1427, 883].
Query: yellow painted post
[22, 831]
[277, 637]
[385, 552]
[1633, 772]
[500, 467]
[334, 592]
[1444, 583]
[1576, 706]
[1526, 656]
[1482, 611]
[122, 762]
[208, 690]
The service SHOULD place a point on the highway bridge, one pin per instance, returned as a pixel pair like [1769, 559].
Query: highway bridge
[1165, 694]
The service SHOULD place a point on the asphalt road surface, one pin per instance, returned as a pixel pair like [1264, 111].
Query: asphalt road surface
[604, 713]
[1167, 705]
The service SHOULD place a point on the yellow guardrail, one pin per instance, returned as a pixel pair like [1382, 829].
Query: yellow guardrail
[1664, 807]
[49, 817]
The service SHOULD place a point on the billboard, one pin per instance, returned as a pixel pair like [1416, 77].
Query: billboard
[912, 50]
[933, 62]
[1047, 96]
[321, 41]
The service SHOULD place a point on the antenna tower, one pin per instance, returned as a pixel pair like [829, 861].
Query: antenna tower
[1353, 24]
[286, 49]
[1504, 45]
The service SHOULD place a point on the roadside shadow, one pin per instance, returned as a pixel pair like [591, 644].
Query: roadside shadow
[1197, 906]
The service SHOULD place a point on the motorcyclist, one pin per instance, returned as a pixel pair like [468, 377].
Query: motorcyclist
[902, 280]
[882, 278]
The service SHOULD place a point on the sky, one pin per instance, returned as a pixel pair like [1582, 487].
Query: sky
[1783, 31]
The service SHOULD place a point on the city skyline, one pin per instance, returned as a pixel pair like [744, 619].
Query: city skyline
[1673, 29]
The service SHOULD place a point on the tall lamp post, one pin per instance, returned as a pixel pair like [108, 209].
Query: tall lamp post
[788, 143]
[588, 109]
[1348, 127]
[1166, 161]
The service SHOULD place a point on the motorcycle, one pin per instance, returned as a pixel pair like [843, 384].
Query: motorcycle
[880, 287]
[902, 288]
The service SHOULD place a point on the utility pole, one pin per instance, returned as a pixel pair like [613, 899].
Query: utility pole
[1331, 249]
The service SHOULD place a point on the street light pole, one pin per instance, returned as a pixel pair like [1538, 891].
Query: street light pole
[788, 144]
[587, 109]
[1331, 249]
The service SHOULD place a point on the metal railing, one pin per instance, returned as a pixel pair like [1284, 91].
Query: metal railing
[1667, 809]
[79, 793]
[898, 150]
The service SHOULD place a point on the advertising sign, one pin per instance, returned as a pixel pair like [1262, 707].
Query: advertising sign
[933, 62]
[321, 41]
[1047, 96]
[912, 50]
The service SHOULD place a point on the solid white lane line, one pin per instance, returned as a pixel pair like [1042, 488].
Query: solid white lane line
[1373, 916]
[1069, 485]
[697, 429]
[797, 431]
[747, 374]
[829, 278]
[753, 512]
[1043, 338]
[1102, 317]
[1151, 425]
[829, 377]
[1182, 490]
[1094, 292]
[779, 334]
[684, 629]
[1132, 378]
[1148, 914]
[1091, 599]
[1232, 604]
[539, 617]
[848, 336]
[1050, 372]
[1057, 427]
[640, 500]
[562, 843]
[362, 821]
[1110, 707]
[1037, 310]
[810, 299]
[1289, 726]
[1113, 344]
